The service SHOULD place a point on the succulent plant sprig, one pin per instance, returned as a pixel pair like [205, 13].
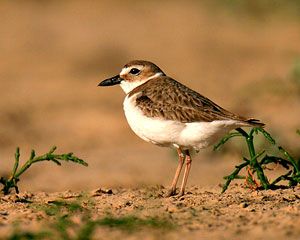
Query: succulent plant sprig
[17, 171]
[257, 162]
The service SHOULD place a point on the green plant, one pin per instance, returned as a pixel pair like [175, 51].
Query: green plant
[64, 210]
[17, 171]
[257, 162]
[130, 223]
[27, 235]
[69, 220]
[56, 207]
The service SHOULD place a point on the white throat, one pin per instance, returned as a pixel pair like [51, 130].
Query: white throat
[129, 86]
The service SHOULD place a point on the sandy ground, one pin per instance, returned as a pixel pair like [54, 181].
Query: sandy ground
[202, 213]
[55, 53]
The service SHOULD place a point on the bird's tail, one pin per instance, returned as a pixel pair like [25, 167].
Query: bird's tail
[254, 123]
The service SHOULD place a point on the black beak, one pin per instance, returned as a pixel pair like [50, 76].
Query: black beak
[111, 81]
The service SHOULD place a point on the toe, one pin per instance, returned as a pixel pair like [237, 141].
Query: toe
[171, 192]
[181, 193]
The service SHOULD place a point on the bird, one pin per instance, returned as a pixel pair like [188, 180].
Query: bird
[165, 112]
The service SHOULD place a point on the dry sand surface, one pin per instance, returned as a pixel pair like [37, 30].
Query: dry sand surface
[53, 55]
[203, 213]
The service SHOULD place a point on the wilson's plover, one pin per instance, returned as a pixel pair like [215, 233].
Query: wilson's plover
[166, 113]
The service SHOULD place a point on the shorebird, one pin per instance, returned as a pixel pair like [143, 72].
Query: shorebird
[162, 111]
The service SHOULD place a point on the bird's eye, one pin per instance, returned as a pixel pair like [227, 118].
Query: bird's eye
[134, 71]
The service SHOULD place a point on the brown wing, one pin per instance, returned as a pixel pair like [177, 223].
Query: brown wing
[156, 98]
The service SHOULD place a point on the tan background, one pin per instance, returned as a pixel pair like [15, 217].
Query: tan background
[54, 53]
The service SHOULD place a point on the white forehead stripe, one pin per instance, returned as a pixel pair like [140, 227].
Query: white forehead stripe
[129, 86]
[124, 71]
[127, 69]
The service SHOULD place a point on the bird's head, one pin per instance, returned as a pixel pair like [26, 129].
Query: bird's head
[133, 74]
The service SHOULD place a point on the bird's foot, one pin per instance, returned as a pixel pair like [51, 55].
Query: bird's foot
[180, 194]
[171, 192]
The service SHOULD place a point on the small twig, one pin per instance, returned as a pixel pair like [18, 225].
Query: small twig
[250, 179]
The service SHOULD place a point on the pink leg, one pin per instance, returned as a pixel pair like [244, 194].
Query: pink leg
[188, 164]
[172, 190]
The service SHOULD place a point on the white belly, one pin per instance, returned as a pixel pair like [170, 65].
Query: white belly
[195, 135]
[156, 131]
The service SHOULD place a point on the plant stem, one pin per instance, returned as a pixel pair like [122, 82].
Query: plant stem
[253, 158]
[12, 181]
[16, 165]
[257, 162]
[233, 175]
[289, 157]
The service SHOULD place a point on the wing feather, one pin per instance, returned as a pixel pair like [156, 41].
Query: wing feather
[156, 98]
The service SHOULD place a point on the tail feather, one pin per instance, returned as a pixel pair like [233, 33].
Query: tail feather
[254, 122]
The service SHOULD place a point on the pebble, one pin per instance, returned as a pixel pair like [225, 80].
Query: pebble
[101, 191]
[4, 213]
[244, 205]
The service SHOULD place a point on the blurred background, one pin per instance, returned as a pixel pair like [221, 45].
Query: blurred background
[244, 55]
